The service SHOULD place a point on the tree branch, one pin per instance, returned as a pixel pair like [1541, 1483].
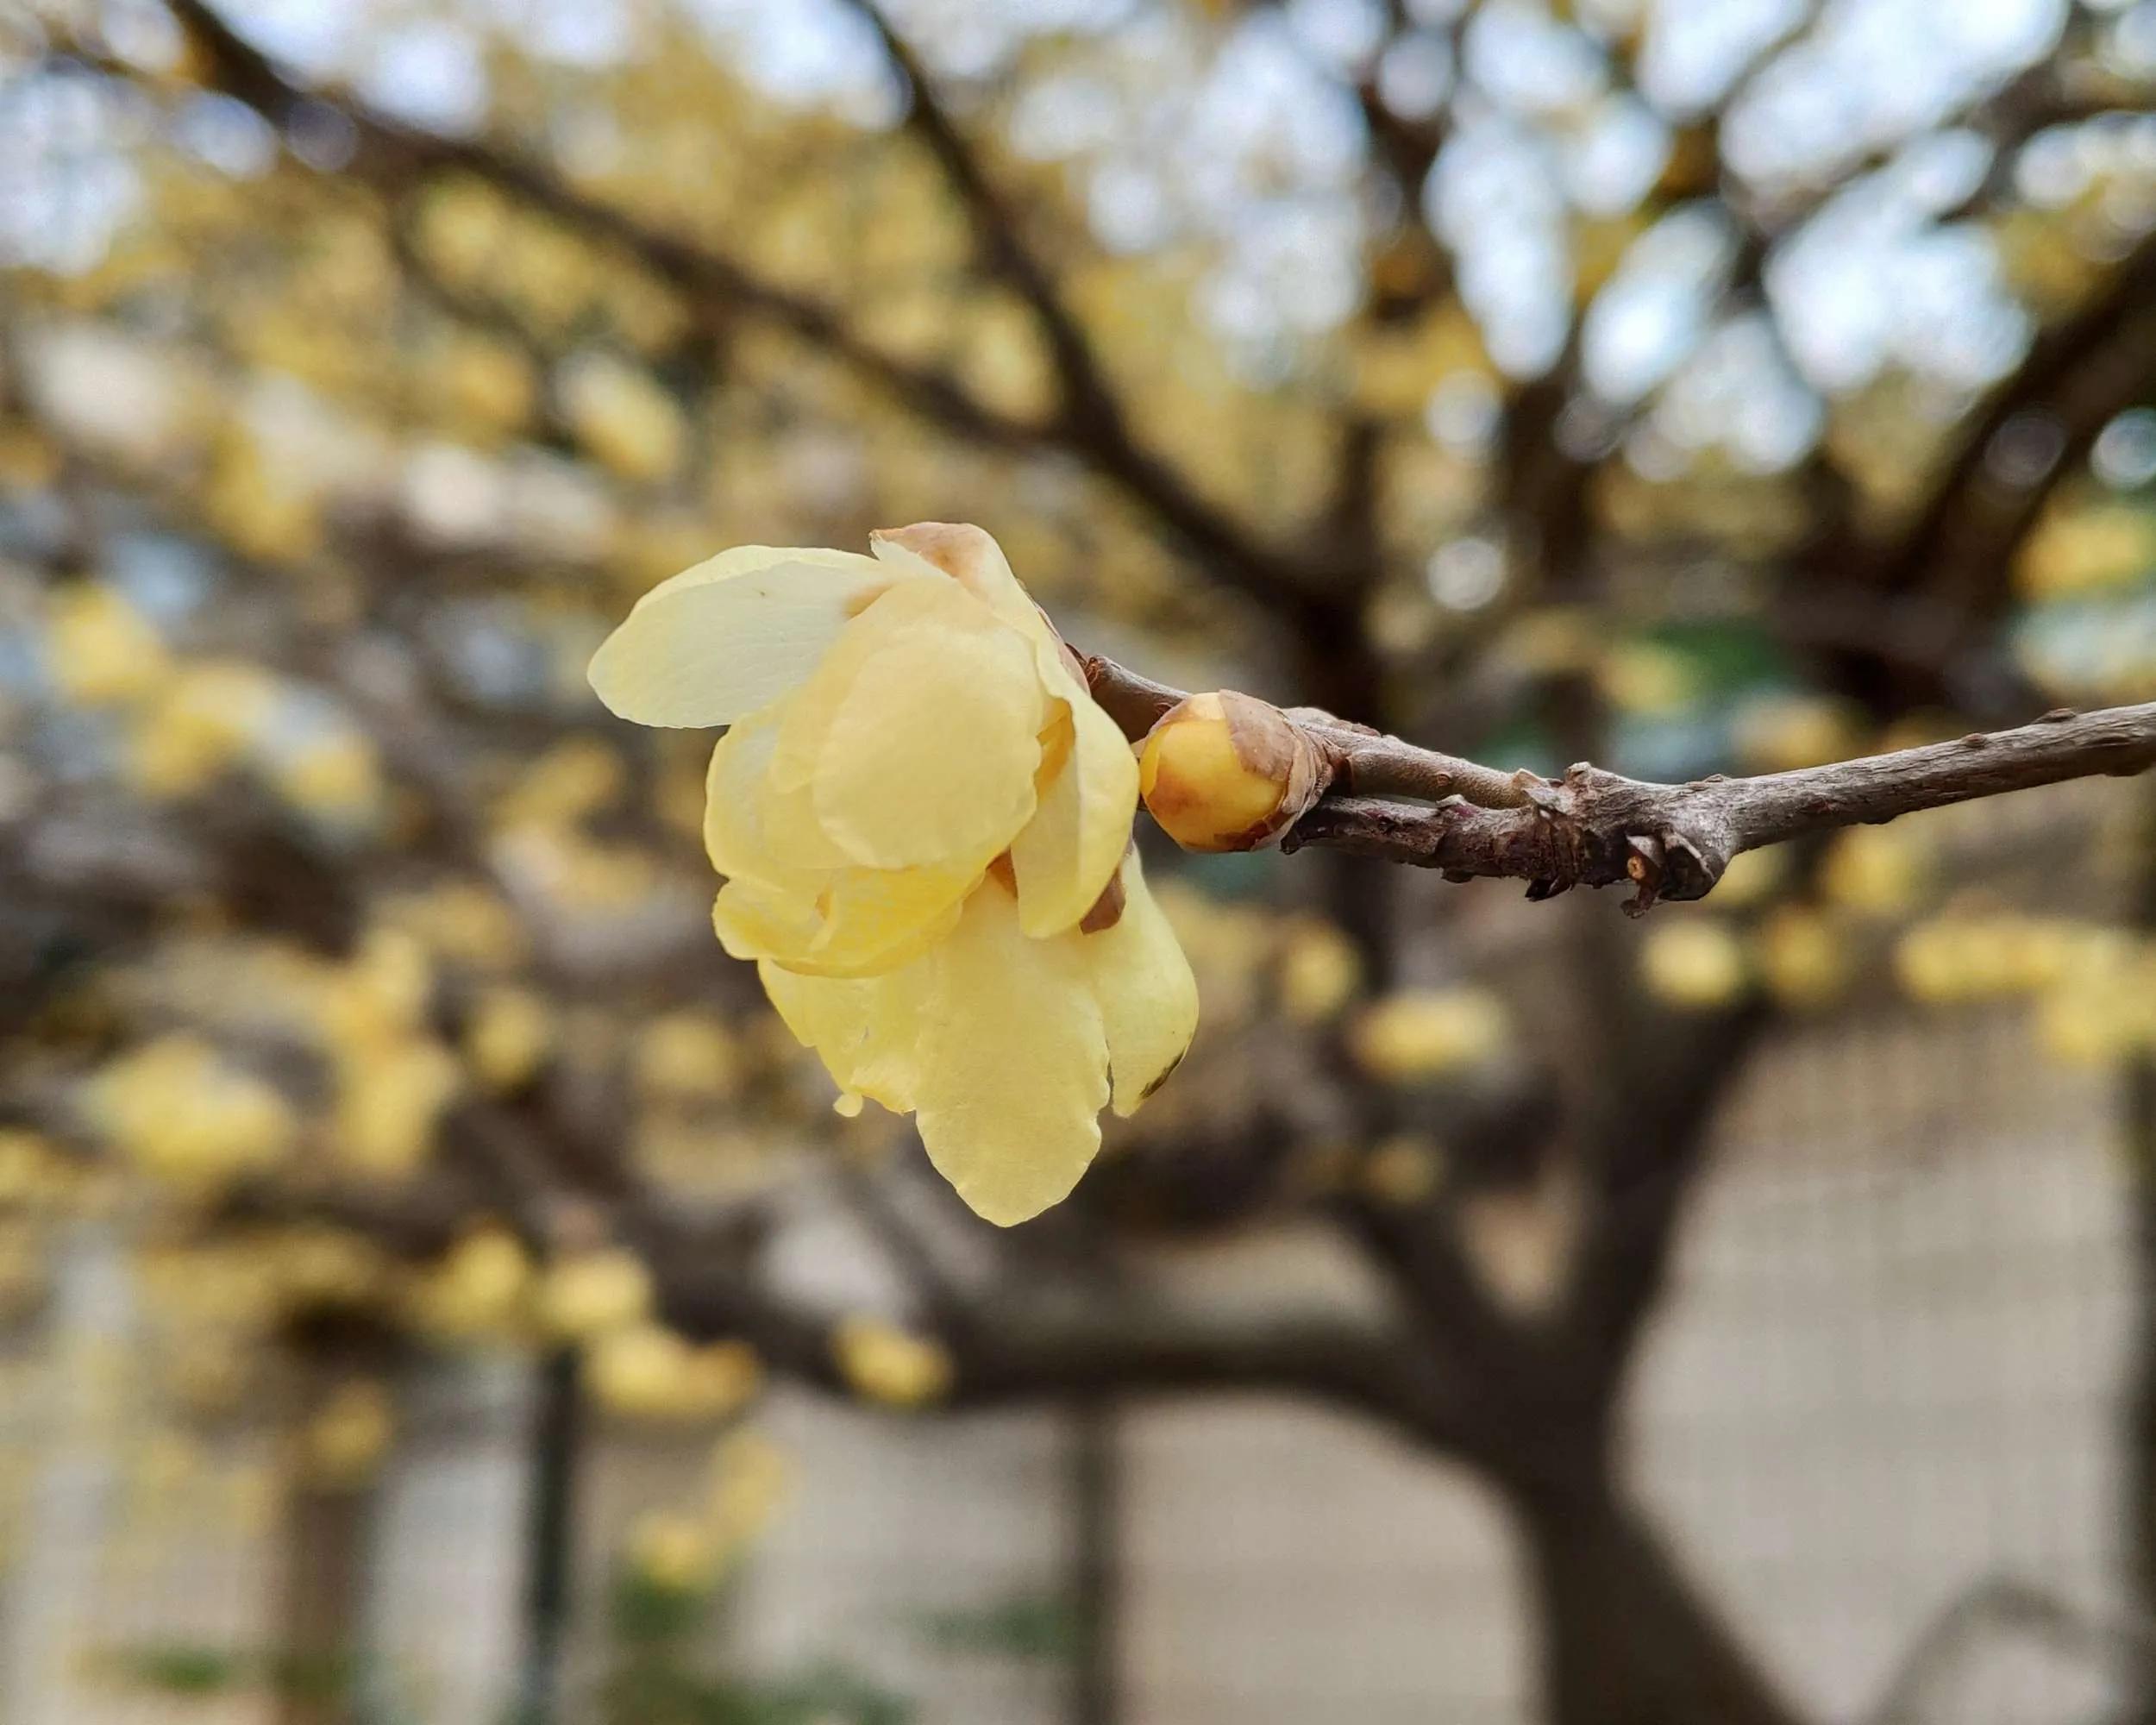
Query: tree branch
[1098, 437]
[1595, 829]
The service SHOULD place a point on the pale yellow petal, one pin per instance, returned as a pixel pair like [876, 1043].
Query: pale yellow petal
[751, 826]
[866, 1029]
[1068, 852]
[1148, 1000]
[969, 555]
[862, 924]
[930, 755]
[930, 600]
[754, 919]
[733, 634]
[1014, 1063]
[876, 919]
[787, 901]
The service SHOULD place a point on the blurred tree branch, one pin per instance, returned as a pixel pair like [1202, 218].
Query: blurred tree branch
[1091, 427]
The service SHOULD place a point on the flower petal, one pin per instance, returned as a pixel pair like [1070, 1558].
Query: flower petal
[792, 895]
[930, 601]
[866, 1029]
[733, 634]
[930, 756]
[969, 555]
[754, 919]
[1014, 1069]
[753, 827]
[1148, 1000]
[1068, 853]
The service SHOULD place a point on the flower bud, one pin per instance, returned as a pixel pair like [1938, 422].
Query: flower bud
[1225, 772]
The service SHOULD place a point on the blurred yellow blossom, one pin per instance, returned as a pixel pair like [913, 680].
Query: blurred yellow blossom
[1804, 958]
[1417, 1033]
[388, 1103]
[630, 425]
[925, 822]
[1320, 971]
[486, 384]
[1964, 955]
[2081, 549]
[673, 1553]
[1647, 677]
[336, 777]
[751, 1475]
[1783, 732]
[203, 720]
[103, 650]
[645, 1372]
[569, 782]
[1693, 962]
[509, 1037]
[479, 1290]
[2101, 1014]
[587, 1294]
[327, 1266]
[1875, 869]
[688, 1056]
[183, 1114]
[1752, 876]
[885, 1364]
[33, 1175]
[459, 920]
[344, 1443]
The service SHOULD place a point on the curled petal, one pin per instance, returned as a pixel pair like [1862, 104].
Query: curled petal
[1068, 852]
[969, 555]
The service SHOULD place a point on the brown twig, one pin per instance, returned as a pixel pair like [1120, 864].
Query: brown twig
[1595, 829]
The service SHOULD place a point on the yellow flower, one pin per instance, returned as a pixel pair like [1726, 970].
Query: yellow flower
[389, 1105]
[182, 1114]
[1803, 957]
[1694, 965]
[585, 1295]
[750, 1477]
[646, 1373]
[479, 1290]
[925, 822]
[509, 1037]
[103, 650]
[1320, 971]
[630, 424]
[674, 1554]
[885, 1364]
[1418, 1034]
[344, 1444]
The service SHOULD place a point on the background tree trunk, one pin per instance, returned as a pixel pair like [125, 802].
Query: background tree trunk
[1626, 1639]
[321, 1603]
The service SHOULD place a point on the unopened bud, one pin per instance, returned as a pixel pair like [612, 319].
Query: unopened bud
[1225, 772]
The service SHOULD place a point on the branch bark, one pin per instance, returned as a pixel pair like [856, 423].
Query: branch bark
[1594, 828]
